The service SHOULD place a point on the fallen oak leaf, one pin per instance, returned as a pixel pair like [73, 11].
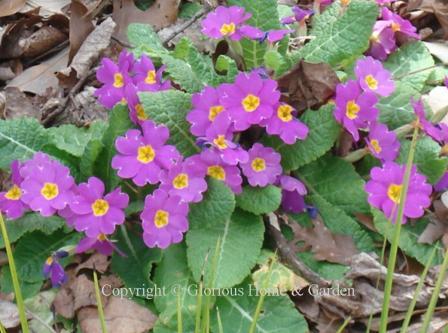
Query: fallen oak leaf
[437, 227]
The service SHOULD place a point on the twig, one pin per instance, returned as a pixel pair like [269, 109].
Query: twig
[288, 255]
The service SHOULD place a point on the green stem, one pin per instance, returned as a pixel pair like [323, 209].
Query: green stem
[396, 235]
[179, 314]
[407, 319]
[435, 295]
[99, 304]
[344, 325]
[2, 329]
[15, 280]
[218, 318]
[197, 328]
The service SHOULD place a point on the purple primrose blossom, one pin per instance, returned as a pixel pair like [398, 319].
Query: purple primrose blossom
[373, 77]
[382, 143]
[11, 200]
[54, 270]
[263, 166]
[225, 22]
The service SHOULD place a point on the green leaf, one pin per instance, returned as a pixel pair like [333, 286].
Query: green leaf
[41, 306]
[31, 222]
[323, 132]
[144, 39]
[29, 289]
[90, 158]
[135, 268]
[264, 16]
[278, 316]
[241, 238]
[20, 139]
[340, 34]
[325, 269]
[189, 10]
[260, 200]
[273, 60]
[427, 158]
[396, 110]
[170, 109]
[408, 242]
[119, 123]
[182, 73]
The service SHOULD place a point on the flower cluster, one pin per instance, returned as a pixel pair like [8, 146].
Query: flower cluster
[123, 81]
[388, 31]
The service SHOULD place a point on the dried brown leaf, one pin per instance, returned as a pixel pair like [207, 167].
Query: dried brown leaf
[18, 105]
[80, 26]
[10, 7]
[47, 7]
[97, 261]
[437, 226]
[308, 85]
[9, 314]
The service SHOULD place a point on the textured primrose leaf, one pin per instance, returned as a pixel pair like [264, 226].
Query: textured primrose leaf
[28, 289]
[278, 316]
[240, 234]
[409, 238]
[337, 191]
[145, 40]
[259, 200]
[31, 222]
[340, 34]
[170, 108]
[20, 139]
[325, 269]
[90, 158]
[405, 65]
[139, 258]
[264, 16]
[426, 158]
[323, 132]
[119, 123]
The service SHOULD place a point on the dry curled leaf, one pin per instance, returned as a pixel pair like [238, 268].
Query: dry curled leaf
[80, 26]
[438, 225]
[308, 85]
[9, 7]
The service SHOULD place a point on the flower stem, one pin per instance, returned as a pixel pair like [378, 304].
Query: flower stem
[435, 295]
[396, 235]
[15, 280]
[99, 303]
[344, 325]
[2, 329]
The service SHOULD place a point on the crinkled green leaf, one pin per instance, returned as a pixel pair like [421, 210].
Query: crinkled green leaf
[20, 139]
[325, 269]
[278, 316]
[241, 238]
[90, 158]
[323, 132]
[31, 222]
[170, 108]
[426, 158]
[264, 16]
[144, 39]
[405, 65]
[409, 235]
[340, 34]
[259, 200]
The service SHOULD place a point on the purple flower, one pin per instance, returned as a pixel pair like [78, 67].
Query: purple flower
[220, 138]
[446, 81]
[300, 15]
[206, 108]
[114, 78]
[385, 186]
[184, 181]
[147, 78]
[252, 32]
[10, 201]
[272, 36]
[136, 111]
[68, 215]
[354, 108]
[383, 144]
[293, 192]
[142, 157]
[373, 77]
[382, 41]
[225, 22]
[210, 163]
[250, 100]
[436, 132]
[398, 24]
[284, 124]
[164, 219]
[99, 243]
[263, 166]
[47, 185]
[98, 213]
[442, 184]
[54, 270]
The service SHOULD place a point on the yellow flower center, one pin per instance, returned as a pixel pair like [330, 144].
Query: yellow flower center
[376, 146]
[394, 192]
[50, 191]
[395, 27]
[118, 80]
[345, 2]
[181, 181]
[371, 82]
[352, 109]
[150, 77]
[284, 112]
[101, 237]
[228, 29]
[214, 111]
[49, 261]
[14, 193]
[258, 164]
[146, 154]
[100, 207]
[220, 142]
[161, 218]
[141, 115]
[250, 103]
[375, 37]
[123, 101]
[217, 172]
